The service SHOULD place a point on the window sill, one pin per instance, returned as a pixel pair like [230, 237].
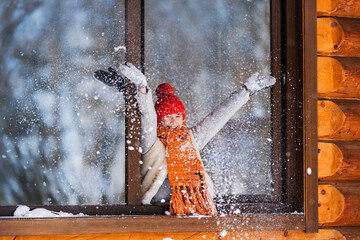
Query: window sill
[142, 224]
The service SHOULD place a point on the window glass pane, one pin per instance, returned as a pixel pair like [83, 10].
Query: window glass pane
[205, 50]
[61, 130]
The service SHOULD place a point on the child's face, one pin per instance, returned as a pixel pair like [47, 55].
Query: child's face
[172, 120]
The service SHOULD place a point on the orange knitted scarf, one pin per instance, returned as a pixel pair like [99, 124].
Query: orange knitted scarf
[186, 173]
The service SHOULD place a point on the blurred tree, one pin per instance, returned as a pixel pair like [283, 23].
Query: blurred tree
[62, 132]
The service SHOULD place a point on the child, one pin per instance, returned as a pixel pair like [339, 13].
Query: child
[185, 170]
[171, 159]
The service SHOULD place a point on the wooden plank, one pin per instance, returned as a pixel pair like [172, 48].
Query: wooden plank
[328, 234]
[338, 37]
[133, 42]
[339, 204]
[310, 115]
[338, 119]
[148, 224]
[339, 77]
[339, 161]
[338, 8]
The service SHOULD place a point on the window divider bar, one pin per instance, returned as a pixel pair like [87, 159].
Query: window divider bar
[292, 93]
[134, 55]
[276, 61]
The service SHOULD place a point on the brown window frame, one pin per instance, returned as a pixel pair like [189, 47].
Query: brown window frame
[295, 64]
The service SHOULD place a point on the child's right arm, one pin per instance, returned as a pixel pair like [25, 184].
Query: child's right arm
[146, 105]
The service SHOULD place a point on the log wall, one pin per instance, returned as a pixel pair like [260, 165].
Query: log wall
[338, 135]
[339, 116]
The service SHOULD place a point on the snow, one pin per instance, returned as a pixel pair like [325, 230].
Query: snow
[237, 211]
[223, 233]
[23, 211]
[63, 132]
[118, 48]
[309, 171]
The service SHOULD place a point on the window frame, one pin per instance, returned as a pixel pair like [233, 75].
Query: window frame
[297, 196]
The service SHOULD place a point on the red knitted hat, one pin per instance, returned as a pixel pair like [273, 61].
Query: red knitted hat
[167, 103]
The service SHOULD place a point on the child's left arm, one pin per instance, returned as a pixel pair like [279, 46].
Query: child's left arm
[206, 129]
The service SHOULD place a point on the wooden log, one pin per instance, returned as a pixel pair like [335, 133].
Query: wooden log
[339, 161]
[338, 119]
[338, 37]
[350, 233]
[338, 77]
[338, 8]
[339, 204]
[329, 234]
[330, 159]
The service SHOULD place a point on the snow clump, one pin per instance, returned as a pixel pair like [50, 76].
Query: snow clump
[24, 211]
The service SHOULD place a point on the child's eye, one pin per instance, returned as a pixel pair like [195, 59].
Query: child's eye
[178, 116]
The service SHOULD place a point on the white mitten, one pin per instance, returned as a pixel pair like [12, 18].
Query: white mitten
[257, 82]
[134, 75]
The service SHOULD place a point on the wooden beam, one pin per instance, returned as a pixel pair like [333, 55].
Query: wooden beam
[134, 32]
[339, 204]
[148, 224]
[134, 51]
[339, 161]
[339, 77]
[338, 37]
[310, 115]
[338, 8]
[338, 119]
[279, 235]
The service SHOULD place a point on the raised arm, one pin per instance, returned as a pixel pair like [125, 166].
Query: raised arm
[146, 105]
[206, 129]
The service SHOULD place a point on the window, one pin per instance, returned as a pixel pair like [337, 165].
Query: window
[62, 132]
[99, 41]
[206, 49]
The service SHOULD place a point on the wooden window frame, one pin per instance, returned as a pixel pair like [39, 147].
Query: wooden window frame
[298, 31]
